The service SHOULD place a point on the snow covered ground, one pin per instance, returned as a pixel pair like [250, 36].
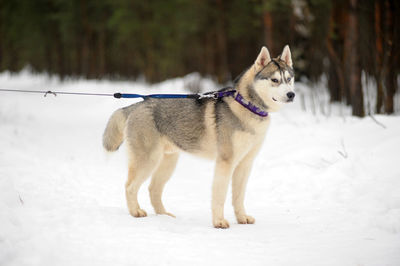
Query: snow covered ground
[324, 190]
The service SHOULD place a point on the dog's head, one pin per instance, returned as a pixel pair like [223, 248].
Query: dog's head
[273, 79]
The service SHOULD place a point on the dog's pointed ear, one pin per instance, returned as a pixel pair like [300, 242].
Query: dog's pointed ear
[263, 59]
[287, 56]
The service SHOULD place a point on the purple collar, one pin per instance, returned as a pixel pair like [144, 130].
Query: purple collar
[251, 107]
[239, 98]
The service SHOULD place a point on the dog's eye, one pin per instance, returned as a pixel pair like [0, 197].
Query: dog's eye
[274, 80]
[289, 79]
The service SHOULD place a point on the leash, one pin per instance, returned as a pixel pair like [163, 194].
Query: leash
[58, 92]
[118, 95]
[225, 92]
[213, 95]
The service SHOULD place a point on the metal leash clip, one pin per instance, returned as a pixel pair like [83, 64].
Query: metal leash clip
[50, 92]
[208, 95]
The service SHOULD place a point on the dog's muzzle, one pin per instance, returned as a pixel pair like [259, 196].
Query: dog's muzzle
[290, 96]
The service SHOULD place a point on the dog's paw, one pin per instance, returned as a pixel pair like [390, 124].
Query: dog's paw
[246, 219]
[221, 223]
[138, 213]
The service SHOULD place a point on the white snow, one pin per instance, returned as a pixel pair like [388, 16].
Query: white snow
[325, 190]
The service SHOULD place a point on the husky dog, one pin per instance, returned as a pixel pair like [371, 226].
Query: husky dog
[229, 130]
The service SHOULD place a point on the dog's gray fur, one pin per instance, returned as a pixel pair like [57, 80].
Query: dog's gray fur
[156, 130]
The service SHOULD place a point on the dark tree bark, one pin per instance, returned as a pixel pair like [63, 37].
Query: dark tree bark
[85, 44]
[378, 56]
[392, 86]
[221, 42]
[336, 81]
[333, 84]
[353, 60]
[1, 40]
[268, 26]
[391, 77]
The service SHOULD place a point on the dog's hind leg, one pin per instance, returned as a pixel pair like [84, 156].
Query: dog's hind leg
[140, 168]
[159, 179]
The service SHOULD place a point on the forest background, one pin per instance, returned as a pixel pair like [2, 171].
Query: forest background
[347, 43]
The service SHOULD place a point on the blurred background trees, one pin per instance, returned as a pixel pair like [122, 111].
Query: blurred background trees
[346, 41]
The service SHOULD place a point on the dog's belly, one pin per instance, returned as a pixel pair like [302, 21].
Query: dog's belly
[206, 148]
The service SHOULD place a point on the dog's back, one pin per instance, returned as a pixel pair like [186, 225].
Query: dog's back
[192, 125]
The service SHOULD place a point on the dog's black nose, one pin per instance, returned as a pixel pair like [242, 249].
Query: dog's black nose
[290, 95]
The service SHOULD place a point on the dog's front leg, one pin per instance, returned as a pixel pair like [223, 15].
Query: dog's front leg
[222, 176]
[239, 183]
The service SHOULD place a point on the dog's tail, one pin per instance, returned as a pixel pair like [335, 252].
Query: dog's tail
[114, 133]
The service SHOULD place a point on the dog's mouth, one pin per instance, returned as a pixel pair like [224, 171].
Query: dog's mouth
[288, 100]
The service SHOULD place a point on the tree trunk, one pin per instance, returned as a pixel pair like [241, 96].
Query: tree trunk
[268, 24]
[378, 57]
[391, 85]
[353, 60]
[390, 77]
[1, 41]
[333, 84]
[222, 58]
[336, 83]
[86, 35]
[347, 47]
